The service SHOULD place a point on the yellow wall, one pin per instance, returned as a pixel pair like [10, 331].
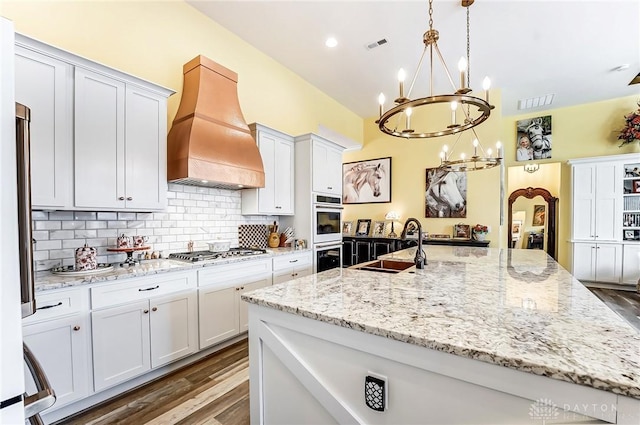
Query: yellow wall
[581, 131]
[154, 39]
[409, 161]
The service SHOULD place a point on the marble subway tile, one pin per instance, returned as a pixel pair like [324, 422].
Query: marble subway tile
[61, 215]
[61, 234]
[106, 216]
[48, 225]
[73, 225]
[126, 216]
[96, 224]
[39, 215]
[83, 234]
[79, 215]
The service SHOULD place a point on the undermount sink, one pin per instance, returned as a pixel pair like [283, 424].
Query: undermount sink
[384, 266]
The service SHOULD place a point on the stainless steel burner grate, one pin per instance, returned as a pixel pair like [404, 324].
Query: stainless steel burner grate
[208, 255]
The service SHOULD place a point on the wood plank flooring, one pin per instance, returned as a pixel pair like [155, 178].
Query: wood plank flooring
[214, 390]
[625, 303]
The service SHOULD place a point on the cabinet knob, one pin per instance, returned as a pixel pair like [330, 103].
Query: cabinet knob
[76, 328]
[242, 287]
[121, 198]
[129, 198]
[145, 311]
[154, 309]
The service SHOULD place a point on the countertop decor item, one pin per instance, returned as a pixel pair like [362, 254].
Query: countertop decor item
[392, 216]
[631, 131]
[397, 120]
[86, 258]
[219, 246]
[72, 271]
[129, 252]
[480, 232]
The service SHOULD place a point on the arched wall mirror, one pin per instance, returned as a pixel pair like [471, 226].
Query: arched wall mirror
[550, 232]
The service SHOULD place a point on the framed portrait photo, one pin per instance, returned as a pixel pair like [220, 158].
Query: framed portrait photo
[516, 229]
[378, 229]
[366, 182]
[462, 231]
[362, 228]
[346, 228]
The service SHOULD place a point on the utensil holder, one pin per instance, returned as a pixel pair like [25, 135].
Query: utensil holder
[274, 240]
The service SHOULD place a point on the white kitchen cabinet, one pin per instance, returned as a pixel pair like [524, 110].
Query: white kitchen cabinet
[58, 334]
[326, 166]
[597, 262]
[131, 339]
[137, 326]
[631, 263]
[45, 85]
[292, 266]
[121, 343]
[98, 134]
[119, 155]
[277, 195]
[597, 190]
[222, 314]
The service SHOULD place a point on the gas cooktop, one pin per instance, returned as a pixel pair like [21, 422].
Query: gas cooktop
[196, 256]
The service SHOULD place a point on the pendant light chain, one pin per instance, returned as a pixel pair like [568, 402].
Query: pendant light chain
[430, 14]
[468, 61]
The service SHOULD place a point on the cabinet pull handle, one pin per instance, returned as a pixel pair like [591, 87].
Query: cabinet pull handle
[121, 198]
[145, 311]
[154, 309]
[149, 289]
[129, 198]
[329, 187]
[76, 328]
[49, 306]
[293, 261]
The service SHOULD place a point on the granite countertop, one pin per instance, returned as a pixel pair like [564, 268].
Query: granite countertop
[515, 308]
[45, 281]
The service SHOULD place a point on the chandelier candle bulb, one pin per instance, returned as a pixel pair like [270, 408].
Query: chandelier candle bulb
[462, 67]
[475, 147]
[381, 100]
[499, 149]
[454, 107]
[489, 152]
[486, 85]
[401, 76]
[408, 112]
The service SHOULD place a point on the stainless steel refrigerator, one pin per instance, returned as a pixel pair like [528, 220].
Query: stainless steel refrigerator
[16, 251]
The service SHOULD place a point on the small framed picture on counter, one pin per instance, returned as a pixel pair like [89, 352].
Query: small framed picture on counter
[378, 229]
[363, 227]
[346, 228]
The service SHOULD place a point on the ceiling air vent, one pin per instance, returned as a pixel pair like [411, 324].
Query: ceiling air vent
[535, 102]
[376, 44]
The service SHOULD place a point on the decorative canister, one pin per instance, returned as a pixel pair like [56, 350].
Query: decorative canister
[274, 240]
[124, 241]
[86, 258]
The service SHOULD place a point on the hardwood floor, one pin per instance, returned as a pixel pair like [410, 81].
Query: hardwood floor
[214, 390]
[625, 303]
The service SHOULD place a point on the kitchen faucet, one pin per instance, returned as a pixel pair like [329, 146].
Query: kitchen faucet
[420, 258]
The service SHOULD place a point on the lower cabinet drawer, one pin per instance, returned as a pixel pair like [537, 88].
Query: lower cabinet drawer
[143, 288]
[57, 303]
[289, 261]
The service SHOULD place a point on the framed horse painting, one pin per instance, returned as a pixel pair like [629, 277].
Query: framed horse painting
[366, 182]
[533, 138]
[446, 194]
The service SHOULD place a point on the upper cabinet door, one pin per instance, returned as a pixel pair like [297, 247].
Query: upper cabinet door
[584, 196]
[45, 85]
[284, 181]
[326, 168]
[267, 194]
[99, 141]
[145, 150]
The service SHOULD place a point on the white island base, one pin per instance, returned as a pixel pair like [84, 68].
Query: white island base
[304, 371]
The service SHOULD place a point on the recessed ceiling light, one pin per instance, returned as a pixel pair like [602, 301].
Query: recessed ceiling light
[621, 67]
[331, 42]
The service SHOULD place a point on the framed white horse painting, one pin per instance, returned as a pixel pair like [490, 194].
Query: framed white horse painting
[533, 139]
[446, 194]
[366, 182]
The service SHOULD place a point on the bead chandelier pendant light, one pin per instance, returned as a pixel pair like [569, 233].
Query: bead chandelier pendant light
[480, 159]
[397, 120]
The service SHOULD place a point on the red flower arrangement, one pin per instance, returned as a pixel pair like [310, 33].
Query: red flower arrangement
[631, 131]
[480, 228]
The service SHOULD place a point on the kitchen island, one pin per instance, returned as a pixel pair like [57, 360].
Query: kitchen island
[479, 336]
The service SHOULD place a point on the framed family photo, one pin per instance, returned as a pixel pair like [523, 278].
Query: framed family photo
[378, 229]
[346, 228]
[366, 182]
[533, 138]
[462, 231]
[362, 229]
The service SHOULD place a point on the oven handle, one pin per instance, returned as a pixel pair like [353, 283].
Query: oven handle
[329, 206]
[329, 245]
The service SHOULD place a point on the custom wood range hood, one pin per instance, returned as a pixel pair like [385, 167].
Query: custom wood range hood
[209, 143]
